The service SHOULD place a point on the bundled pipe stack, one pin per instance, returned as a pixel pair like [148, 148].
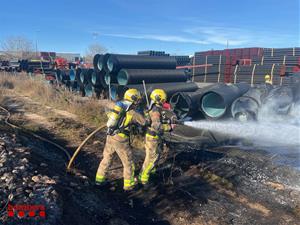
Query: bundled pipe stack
[70, 78]
[121, 72]
[282, 62]
[35, 66]
[255, 74]
[182, 60]
[209, 74]
[223, 63]
[82, 80]
[153, 53]
[237, 65]
[10, 66]
[282, 51]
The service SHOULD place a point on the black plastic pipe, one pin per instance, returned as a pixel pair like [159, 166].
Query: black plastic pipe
[114, 92]
[95, 61]
[64, 77]
[77, 74]
[296, 86]
[169, 88]
[74, 86]
[216, 102]
[72, 74]
[246, 107]
[186, 104]
[117, 62]
[102, 63]
[86, 75]
[88, 89]
[136, 76]
[110, 78]
[97, 79]
[279, 101]
[79, 83]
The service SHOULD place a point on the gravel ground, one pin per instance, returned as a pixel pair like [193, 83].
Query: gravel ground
[23, 184]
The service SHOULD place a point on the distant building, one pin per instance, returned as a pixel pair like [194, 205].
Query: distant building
[48, 55]
[71, 57]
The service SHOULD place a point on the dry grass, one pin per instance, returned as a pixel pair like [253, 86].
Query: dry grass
[91, 111]
[88, 110]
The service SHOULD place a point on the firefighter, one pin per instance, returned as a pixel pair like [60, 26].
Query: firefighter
[119, 124]
[155, 129]
[268, 79]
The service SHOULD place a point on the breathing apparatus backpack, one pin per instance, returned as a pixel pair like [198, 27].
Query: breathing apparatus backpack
[117, 117]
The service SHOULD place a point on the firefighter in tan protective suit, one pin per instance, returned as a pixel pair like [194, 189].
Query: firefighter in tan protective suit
[119, 123]
[153, 139]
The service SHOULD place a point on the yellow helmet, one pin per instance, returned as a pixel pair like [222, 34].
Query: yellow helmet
[132, 95]
[267, 77]
[158, 96]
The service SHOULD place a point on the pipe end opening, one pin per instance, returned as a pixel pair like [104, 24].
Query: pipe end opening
[110, 65]
[213, 105]
[107, 78]
[122, 78]
[94, 78]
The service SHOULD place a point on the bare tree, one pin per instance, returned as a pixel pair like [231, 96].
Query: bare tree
[17, 47]
[92, 50]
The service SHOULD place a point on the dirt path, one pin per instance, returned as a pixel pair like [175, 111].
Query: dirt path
[194, 185]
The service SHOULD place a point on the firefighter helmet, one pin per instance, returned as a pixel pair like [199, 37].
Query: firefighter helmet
[158, 96]
[132, 95]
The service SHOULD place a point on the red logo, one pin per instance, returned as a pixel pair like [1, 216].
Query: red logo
[26, 211]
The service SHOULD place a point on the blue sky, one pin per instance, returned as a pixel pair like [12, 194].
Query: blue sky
[127, 26]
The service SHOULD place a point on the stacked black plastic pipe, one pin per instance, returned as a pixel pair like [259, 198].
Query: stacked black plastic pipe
[127, 71]
[153, 53]
[273, 62]
[283, 58]
[210, 74]
[137, 76]
[182, 60]
[169, 88]
[212, 102]
[282, 51]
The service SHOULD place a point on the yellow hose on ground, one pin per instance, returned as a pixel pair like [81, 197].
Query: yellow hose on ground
[82, 144]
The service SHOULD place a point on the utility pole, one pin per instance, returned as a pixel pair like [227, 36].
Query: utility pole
[36, 43]
[227, 44]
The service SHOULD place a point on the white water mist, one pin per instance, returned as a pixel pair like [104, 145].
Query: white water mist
[260, 133]
[271, 129]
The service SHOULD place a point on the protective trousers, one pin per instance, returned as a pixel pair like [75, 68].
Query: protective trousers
[152, 147]
[121, 146]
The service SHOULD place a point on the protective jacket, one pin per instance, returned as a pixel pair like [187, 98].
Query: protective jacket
[153, 141]
[119, 123]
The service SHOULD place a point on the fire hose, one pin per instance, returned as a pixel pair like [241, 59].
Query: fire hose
[71, 159]
[82, 144]
[6, 121]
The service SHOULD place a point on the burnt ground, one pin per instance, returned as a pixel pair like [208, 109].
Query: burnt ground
[195, 184]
